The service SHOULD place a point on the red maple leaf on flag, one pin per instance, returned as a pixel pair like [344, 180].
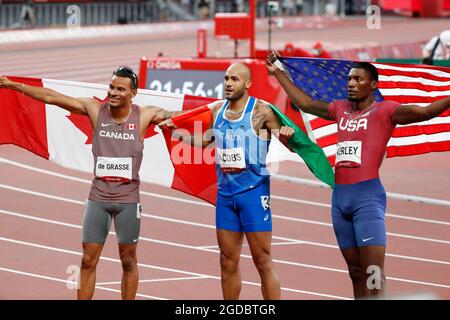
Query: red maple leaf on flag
[83, 124]
[150, 131]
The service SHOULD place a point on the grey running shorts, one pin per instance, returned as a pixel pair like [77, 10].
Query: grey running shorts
[98, 216]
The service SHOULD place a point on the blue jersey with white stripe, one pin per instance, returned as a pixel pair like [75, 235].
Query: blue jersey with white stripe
[240, 153]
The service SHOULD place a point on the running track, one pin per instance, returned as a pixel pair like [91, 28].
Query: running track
[41, 207]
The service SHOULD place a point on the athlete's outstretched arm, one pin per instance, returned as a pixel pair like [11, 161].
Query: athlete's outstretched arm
[405, 114]
[156, 115]
[49, 96]
[297, 95]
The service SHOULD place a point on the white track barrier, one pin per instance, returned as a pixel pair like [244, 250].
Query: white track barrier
[392, 195]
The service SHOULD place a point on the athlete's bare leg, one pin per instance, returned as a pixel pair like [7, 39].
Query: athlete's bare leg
[365, 262]
[372, 260]
[91, 254]
[130, 276]
[230, 244]
[355, 270]
[260, 246]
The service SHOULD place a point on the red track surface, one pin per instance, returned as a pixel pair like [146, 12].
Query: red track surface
[41, 215]
[40, 235]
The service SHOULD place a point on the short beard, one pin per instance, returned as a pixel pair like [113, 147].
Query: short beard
[352, 99]
[236, 96]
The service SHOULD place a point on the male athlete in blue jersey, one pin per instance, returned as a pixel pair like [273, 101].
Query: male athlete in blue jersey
[242, 130]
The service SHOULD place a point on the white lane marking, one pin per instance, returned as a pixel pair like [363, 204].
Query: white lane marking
[155, 280]
[98, 286]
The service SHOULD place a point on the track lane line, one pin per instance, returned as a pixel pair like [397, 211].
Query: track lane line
[39, 276]
[154, 280]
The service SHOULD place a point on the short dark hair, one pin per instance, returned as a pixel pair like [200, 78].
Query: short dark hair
[370, 68]
[127, 72]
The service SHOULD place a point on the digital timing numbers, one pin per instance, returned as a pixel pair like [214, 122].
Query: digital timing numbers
[188, 87]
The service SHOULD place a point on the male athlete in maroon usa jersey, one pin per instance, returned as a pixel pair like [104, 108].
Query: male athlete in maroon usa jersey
[359, 154]
[359, 199]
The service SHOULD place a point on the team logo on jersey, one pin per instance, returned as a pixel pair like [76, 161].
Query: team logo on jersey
[353, 125]
[131, 126]
[265, 202]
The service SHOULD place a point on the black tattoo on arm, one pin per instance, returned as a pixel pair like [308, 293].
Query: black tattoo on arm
[258, 120]
[260, 116]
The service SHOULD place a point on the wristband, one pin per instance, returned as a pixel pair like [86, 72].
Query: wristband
[279, 65]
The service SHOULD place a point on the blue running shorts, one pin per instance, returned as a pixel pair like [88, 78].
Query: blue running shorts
[358, 212]
[247, 211]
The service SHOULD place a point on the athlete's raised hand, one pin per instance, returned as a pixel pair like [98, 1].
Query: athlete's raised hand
[270, 61]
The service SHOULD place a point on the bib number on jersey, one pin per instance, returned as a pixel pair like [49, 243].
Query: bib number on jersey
[114, 169]
[231, 160]
[348, 154]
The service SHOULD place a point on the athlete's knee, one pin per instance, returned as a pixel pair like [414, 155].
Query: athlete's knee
[129, 262]
[263, 261]
[356, 273]
[88, 262]
[229, 263]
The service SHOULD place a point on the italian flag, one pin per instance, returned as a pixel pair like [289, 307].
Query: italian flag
[66, 138]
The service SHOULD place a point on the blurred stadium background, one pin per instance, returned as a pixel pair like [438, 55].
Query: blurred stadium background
[52, 13]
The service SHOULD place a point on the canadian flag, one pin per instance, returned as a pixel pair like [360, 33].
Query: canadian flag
[66, 138]
[131, 126]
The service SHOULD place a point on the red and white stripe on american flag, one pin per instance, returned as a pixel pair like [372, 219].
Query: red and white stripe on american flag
[406, 84]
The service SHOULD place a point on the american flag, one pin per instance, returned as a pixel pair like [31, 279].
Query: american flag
[326, 80]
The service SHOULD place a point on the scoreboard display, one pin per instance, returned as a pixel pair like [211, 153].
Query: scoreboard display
[194, 82]
[185, 76]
